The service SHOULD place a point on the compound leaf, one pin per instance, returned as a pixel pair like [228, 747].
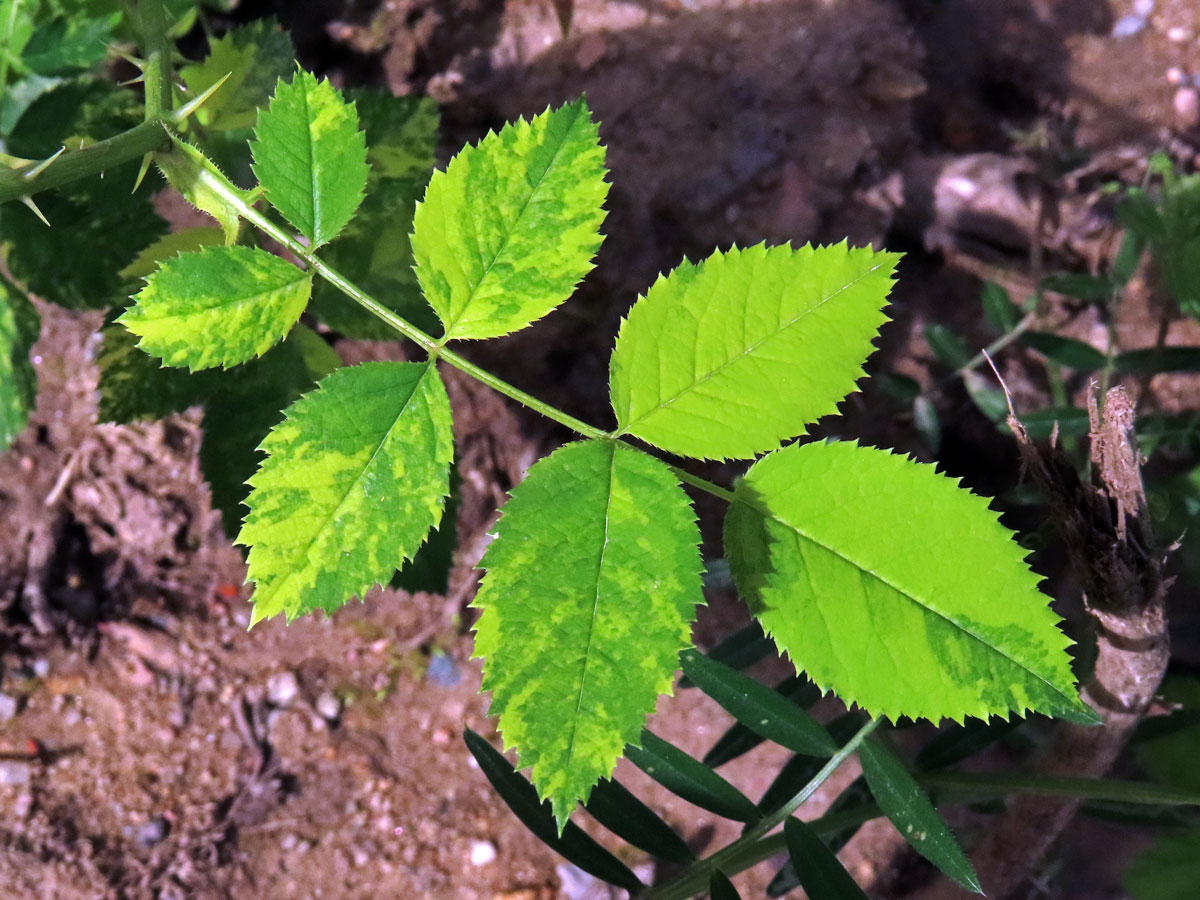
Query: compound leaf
[355, 476]
[310, 156]
[217, 307]
[903, 801]
[510, 227]
[254, 56]
[837, 545]
[591, 585]
[19, 329]
[732, 356]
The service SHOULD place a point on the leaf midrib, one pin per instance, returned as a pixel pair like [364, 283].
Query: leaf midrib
[353, 484]
[901, 591]
[595, 610]
[628, 427]
[512, 230]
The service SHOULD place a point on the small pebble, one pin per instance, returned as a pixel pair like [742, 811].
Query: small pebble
[1187, 107]
[329, 706]
[41, 667]
[482, 852]
[1175, 76]
[14, 772]
[8, 707]
[1127, 26]
[443, 671]
[153, 832]
[282, 688]
[1143, 8]
[1179, 35]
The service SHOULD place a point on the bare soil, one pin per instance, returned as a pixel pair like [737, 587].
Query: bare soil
[159, 750]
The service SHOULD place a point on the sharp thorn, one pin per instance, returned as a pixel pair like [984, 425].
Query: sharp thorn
[137, 182]
[37, 170]
[135, 80]
[28, 201]
[195, 103]
[128, 57]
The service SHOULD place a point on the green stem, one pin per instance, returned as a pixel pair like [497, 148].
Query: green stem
[750, 847]
[93, 159]
[990, 785]
[9, 27]
[153, 30]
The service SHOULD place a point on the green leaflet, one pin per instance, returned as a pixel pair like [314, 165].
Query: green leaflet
[591, 585]
[355, 476]
[254, 56]
[19, 328]
[218, 307]
[510, 227]
[905, 804]
[245, 401]
[401, 133]
[838, 546]
[730, 357]
[310, 156]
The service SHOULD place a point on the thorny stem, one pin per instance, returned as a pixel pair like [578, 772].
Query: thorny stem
[748, 849]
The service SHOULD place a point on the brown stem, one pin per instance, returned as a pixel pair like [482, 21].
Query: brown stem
[1121, 567]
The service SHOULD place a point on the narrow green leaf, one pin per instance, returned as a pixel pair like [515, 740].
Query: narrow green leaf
[1002, 314]
[519, 795]
[630, 819]
[220, 306]
[988, 399]
[721, 888]
[820, 873]
[1090, 288]
[19, 329]
[743, 648]
[927, 422]
[947, 346]
[254, 56]
[695, 356]
[739, 739]
[509, 229]
[1153, 360]
[903, 801]
[401, 133]
[1071, 421]
[1169, 870]
[1129, 256]
[837, 545]
[355, 476]
[1065, 351]
[591, 586]
[310, 156]
[757, 706]
[855, 798]
[690, 779]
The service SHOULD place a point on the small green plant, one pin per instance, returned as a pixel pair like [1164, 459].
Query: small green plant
[883, 580]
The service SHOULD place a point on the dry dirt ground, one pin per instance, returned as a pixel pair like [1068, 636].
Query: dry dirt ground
[153, 748]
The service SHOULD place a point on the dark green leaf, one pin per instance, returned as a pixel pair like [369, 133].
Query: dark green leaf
[1065, 351]
[819, 871]
[739, 739]
[903, 801]
[1169, 870]
[857, 796]
[947, 346]
[1138, 213]
[900, 388]
[631, 820]
[1129, 254]
[757, 706]
[925, 418]
[519, 795]
[254, 56]
[1153, 360]
[690, 779]
[721, 888]
[1178, 432]
[1071, 420]
[988, 398]
[1092, 288]
[743, 648]
[1002, 314]
[401, 133]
